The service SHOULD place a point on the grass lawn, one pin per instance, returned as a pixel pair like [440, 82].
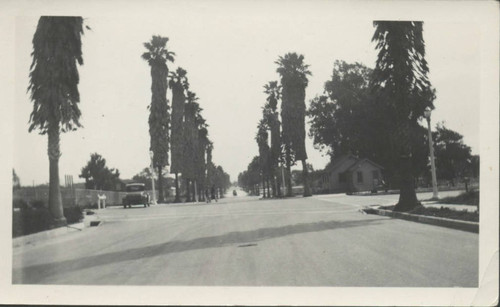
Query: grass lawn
[470, 198]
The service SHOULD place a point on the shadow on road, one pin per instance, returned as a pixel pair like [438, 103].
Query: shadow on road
[36, 273]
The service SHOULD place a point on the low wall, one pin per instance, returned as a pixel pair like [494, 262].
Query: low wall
[71, 197]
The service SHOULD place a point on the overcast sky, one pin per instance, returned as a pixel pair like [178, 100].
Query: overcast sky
[229, 53]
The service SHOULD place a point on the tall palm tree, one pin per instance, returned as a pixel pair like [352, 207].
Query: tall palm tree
[273, 90]
[201, 160]
[57, 48]
[210, 166]
[264, 153]
[157, 56]
[190, 147]
[202, 142]
[400, 79]
[294, 81]
[178, 83]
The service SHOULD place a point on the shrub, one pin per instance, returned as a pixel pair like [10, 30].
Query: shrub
[73, 214]
[38, 204]
[35, 217]
[19, 203]
[31, 220]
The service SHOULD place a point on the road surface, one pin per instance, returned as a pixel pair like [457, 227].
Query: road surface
[243, 241]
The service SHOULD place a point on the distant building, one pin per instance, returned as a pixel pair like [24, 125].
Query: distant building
[349, 174]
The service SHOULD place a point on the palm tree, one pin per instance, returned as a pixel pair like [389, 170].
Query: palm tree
[201, 160]
[294, 80]
[57, 48]
[190, 147]
[157, 56]
[400, 79]
[273, 90]
[264, 153]
[178, 83]
[210, 165]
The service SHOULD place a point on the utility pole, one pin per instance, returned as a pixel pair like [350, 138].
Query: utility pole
[427, 114]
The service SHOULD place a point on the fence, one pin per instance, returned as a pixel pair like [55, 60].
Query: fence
[70, 197]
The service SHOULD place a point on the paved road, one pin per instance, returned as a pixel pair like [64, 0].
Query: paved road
[243, 241]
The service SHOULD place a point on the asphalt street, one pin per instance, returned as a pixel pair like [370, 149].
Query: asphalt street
[243, 241]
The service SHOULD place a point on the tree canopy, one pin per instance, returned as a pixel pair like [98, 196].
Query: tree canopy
[293, 72]
[54, 78]
[347, 119]
[453, 157]
[98, 176]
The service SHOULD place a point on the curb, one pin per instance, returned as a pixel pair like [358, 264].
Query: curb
[431, 220]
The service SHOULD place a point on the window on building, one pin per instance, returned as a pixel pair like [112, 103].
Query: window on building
[375, 174]
[360, 177]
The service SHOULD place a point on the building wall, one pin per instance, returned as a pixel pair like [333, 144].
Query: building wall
[368, 180]
[335, 184]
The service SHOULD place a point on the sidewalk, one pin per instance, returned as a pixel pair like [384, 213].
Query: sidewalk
[34, 238]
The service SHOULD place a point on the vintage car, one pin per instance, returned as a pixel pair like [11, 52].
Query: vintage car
[136, 195]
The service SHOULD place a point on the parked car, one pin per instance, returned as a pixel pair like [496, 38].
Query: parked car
[136, 195]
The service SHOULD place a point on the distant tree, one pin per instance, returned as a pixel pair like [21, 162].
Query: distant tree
[294, 81]
[144, 177]
[453, 157]
[98, 176]
[262, 139]
[210, 165]
[178, 84]
[16, 183]
[222, 180]
[250, 178]
[201, 163]
[57, 48]
[474, 166]
[400, 81]
[157, 56]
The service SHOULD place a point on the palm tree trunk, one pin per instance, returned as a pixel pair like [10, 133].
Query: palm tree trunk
[275, 185]
[188, 191]
[263, 187]
[55, 199]
[288, 173]
[195, 191]
[160, 185]
[305, 174]
[407, 196]
[177, 196]
[278, 186]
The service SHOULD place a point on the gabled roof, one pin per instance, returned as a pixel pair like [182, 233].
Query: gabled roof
[340, 161]
[360, 161]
